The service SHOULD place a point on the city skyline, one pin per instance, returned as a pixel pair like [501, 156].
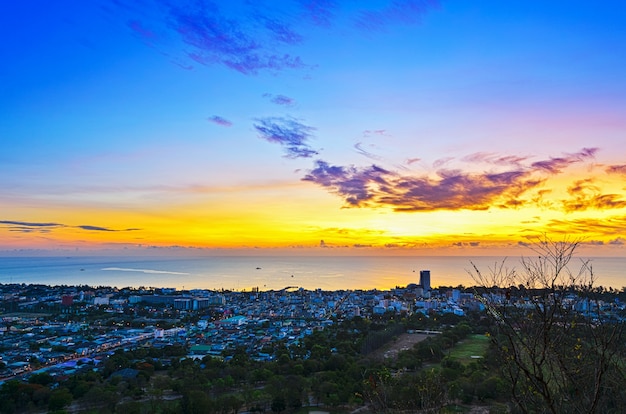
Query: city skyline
[312, 127]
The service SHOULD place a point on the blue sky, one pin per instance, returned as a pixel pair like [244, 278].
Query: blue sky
[395, 126]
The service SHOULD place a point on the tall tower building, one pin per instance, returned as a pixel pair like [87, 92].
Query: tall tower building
[425, 280]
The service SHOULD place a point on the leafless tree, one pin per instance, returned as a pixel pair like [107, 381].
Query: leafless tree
[559, 346]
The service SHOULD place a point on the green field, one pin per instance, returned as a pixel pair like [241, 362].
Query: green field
[473, 345]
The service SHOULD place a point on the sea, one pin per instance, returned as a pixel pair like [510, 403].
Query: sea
[242, 273]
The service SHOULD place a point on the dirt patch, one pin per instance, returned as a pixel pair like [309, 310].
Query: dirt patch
[404, 342]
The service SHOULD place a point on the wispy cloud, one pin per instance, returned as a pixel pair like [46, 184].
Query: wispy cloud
[99, 228]
[407, 12]
[280, 99]
[557, 164]
[279, 31]
[288, 132]
[586, 195]
[43, 227]
[249, 37]
[319, 12]
[379, 132]
[143, 32]
[234, 42]
[616, 169]
[29, 224]
[28, 227]
[359, 148]
[218, 120]
[610, 227]
[495, 159]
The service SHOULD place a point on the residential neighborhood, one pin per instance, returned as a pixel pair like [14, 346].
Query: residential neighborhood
[66, 329]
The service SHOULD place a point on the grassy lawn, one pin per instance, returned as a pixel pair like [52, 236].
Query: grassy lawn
[472, 345]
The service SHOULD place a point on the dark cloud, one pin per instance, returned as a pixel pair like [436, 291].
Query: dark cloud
[407, 12]
[375, 186]
[616, 169]
[280, 99]
[585, 195]
[29, 227]
[29, 224]
[458, 190]
[218, 120]
[358, 186]
[98, 228]
[462, 244]
[619, 241]
[557, 164]
[290, 133]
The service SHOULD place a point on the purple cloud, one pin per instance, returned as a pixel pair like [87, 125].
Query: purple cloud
[248, 36]
[453, 189]
[217, 39]
[290, 133]
[280, 99]
[218, 120]
[494, 159]
[280, 31]
[557, 164]
[355, 185]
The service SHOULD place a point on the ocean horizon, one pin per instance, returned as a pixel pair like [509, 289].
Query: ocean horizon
[271, 272]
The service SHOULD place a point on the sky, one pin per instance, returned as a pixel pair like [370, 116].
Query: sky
[394, 127]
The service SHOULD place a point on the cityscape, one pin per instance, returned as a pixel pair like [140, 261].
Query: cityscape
[64, 332]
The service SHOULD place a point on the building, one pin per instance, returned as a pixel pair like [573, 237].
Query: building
[425, 280]
[67, 300]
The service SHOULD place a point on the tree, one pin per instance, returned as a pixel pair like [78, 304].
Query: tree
[59, 398]
[558, 351]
